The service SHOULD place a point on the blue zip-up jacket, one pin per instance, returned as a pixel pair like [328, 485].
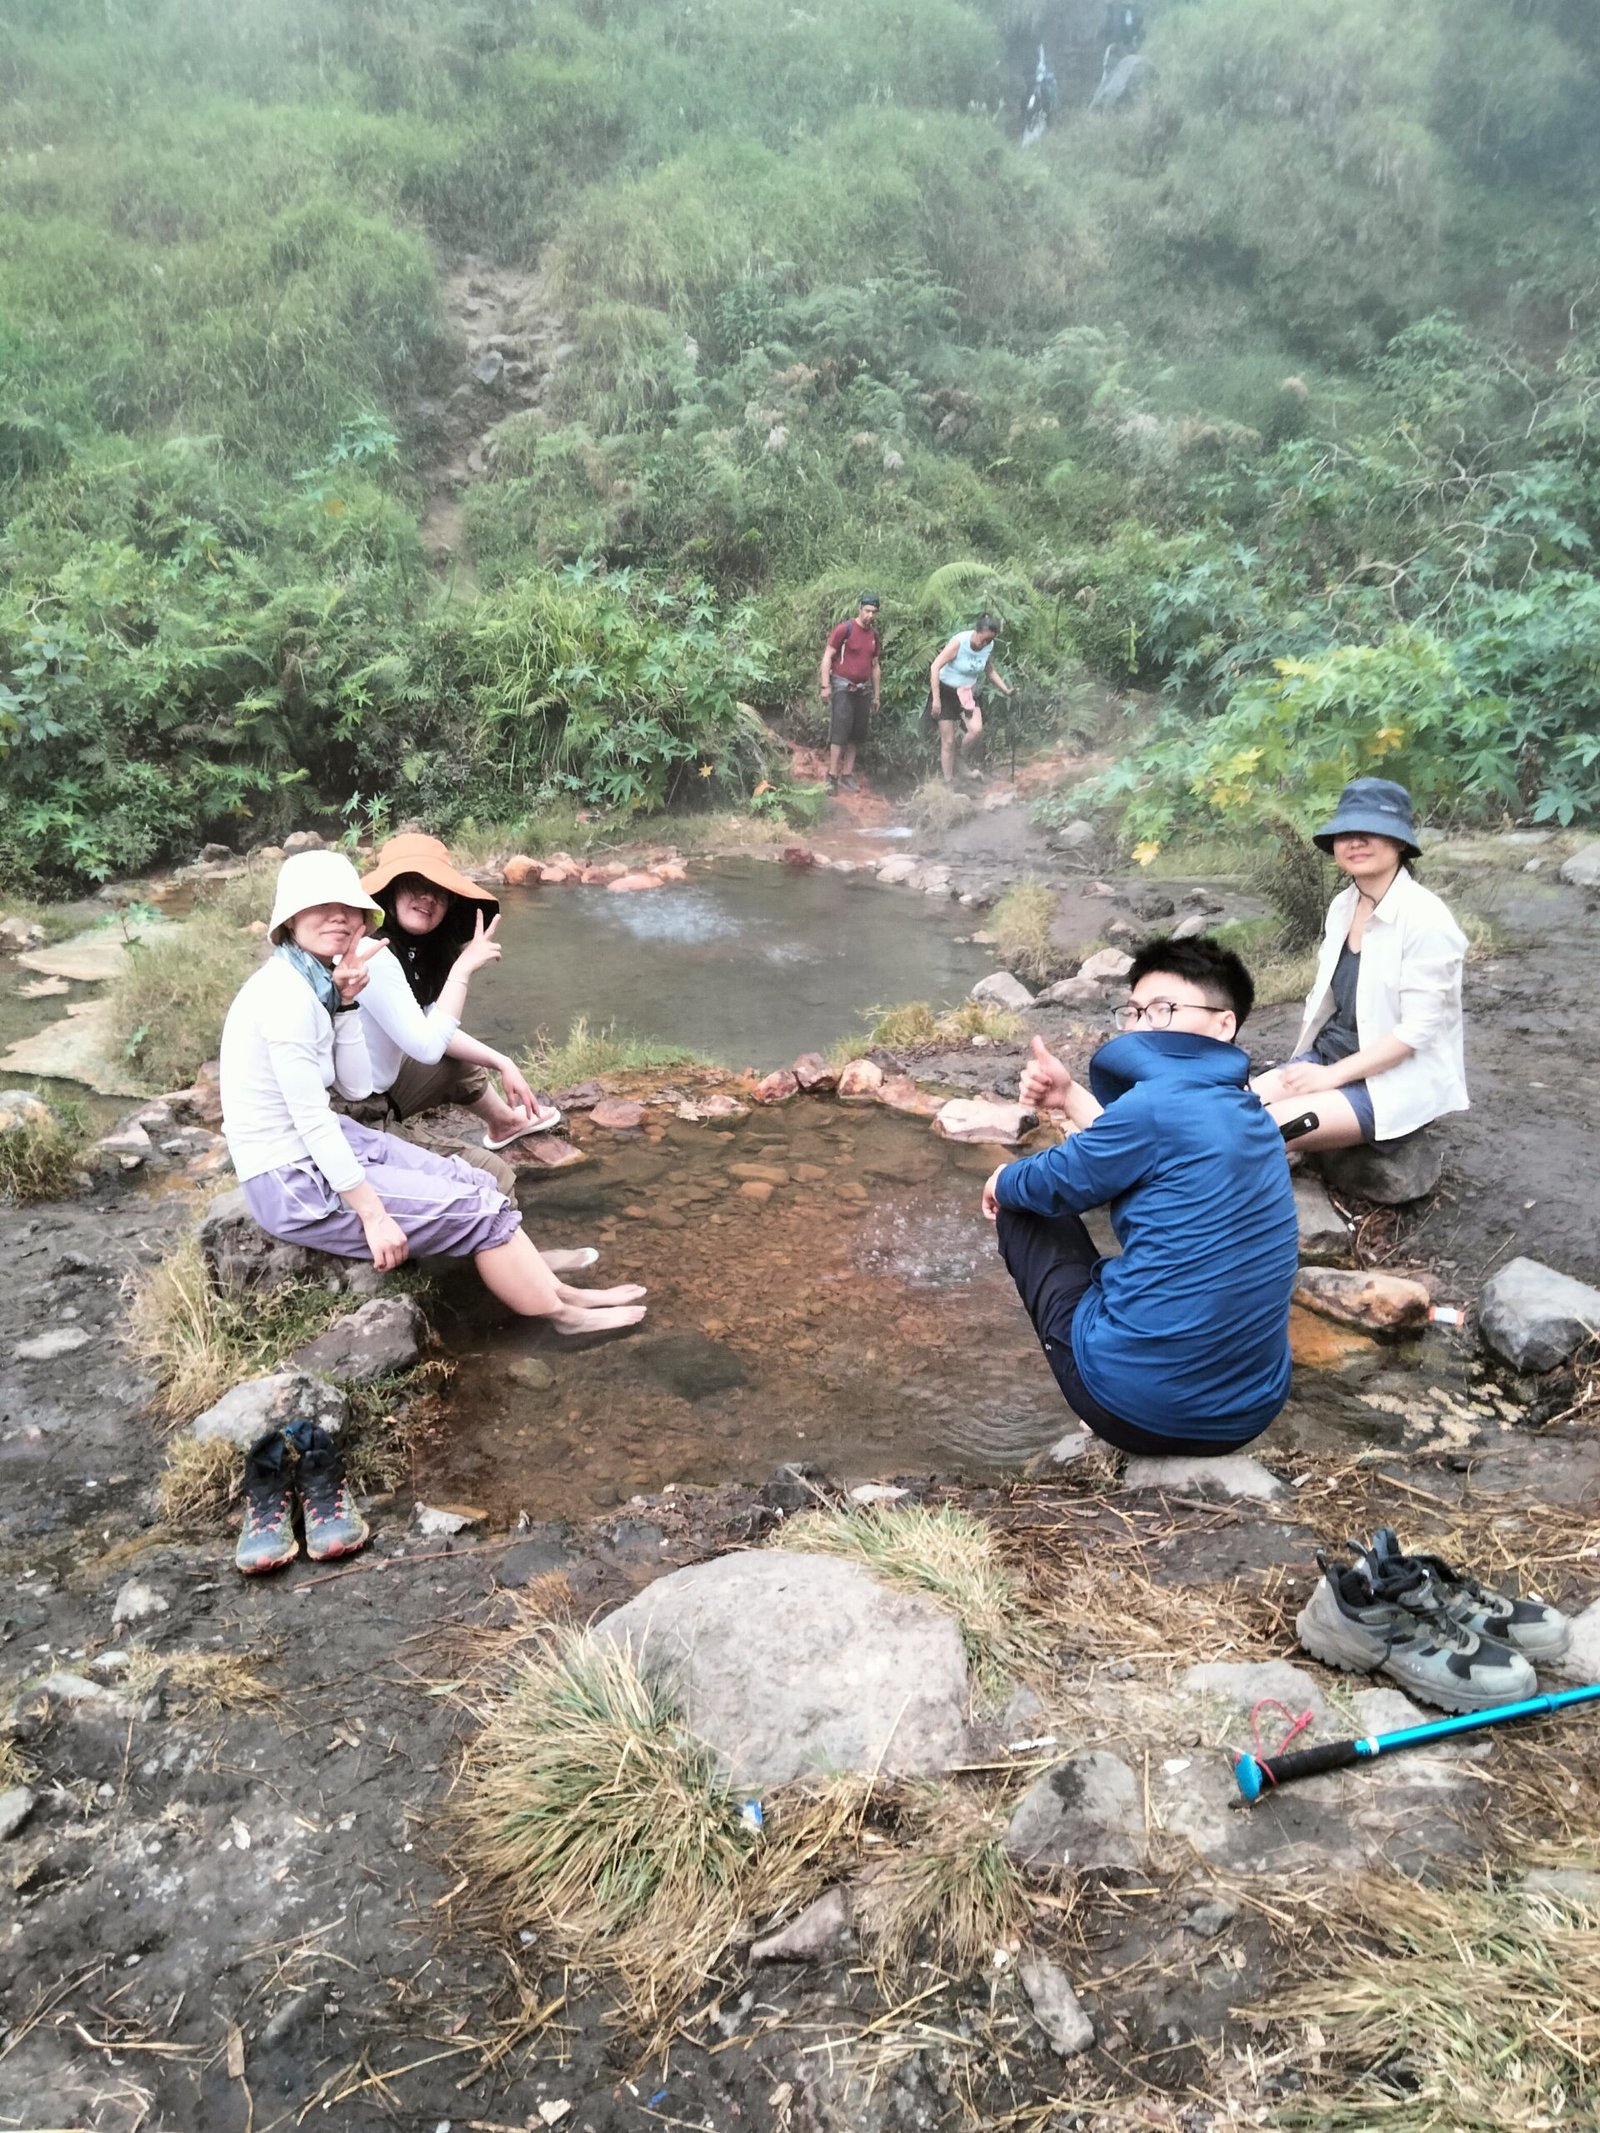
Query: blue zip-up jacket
[1187, 1333]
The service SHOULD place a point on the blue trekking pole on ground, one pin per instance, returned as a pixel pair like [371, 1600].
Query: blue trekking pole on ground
[1259, 1774]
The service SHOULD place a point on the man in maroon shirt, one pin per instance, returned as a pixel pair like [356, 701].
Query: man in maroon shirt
[850, 689]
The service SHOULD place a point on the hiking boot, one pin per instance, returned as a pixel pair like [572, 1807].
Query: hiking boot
[850, 783]
[1395, 1624]
[266, 1541]
[1531, 1626]
[832, 784]
[333, 1524]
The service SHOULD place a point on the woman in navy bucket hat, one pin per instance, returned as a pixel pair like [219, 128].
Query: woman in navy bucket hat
[1379, 1054]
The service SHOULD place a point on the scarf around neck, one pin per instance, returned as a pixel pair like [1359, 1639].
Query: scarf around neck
[315, 972]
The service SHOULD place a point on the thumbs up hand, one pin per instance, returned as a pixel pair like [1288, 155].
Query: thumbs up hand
[1046, 1083]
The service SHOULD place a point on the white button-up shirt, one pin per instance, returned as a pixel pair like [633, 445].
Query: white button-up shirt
[1409, 987]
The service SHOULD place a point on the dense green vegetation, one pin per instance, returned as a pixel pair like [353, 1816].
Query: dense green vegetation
[1271, 393]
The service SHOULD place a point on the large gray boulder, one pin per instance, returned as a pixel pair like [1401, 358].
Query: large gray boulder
[792, 1665]
[1388, 1172]
[1084, 1812]
[1534, 1317]
[380, 1339]
[1324, 1232]
[1001, 989]
[260, 1404]
[1582, 870]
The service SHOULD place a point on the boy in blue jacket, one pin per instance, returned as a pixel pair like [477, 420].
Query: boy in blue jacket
[1181, 1344]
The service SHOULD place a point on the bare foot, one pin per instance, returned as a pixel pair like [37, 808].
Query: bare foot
[570, 1262]
[628, 1292]
[571, 1321]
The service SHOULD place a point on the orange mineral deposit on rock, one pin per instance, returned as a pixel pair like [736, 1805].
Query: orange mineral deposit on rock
[861, 1081]
[1378, 1303]
[521, 869]
[626, 883]
[777, 1088]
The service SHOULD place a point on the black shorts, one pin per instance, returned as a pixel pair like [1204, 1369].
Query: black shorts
[950, 705]
[849, 710]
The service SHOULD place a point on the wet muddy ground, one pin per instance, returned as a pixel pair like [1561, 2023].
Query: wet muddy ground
[247, 1913]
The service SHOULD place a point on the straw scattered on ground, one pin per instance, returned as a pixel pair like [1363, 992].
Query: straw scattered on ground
[196, 1684]
[1444, 2010]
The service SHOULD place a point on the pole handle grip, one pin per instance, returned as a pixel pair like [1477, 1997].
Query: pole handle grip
[1259, 1774]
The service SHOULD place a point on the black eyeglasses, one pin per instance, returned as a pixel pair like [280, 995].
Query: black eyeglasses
[1159, 1013]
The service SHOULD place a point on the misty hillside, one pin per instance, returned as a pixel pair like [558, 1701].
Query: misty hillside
[462, 411]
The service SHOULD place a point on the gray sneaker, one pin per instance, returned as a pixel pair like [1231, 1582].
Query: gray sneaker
[1530, 1626]
[1396, 1624]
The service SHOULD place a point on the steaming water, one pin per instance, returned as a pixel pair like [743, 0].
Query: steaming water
[750, 965]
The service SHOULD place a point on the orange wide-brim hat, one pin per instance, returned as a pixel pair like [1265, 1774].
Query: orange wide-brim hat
[413, 853]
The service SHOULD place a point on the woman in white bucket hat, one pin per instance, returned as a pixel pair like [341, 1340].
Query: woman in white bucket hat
[314, 1178]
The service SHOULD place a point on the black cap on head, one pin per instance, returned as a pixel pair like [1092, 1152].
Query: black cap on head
[869, 600]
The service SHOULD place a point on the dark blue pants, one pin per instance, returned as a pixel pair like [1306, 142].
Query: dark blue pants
[1052, 1261]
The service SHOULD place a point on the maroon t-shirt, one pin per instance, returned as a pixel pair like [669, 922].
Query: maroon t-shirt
[852, 659]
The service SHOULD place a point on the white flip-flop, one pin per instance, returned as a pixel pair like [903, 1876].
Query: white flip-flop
[523, 1133]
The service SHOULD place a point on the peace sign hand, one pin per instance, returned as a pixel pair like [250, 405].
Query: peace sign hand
[350, 972]
[483, 948]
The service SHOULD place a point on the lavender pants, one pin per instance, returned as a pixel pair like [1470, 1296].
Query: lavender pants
[447, 1209]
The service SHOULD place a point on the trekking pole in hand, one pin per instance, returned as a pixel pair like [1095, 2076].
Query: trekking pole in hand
[1256, 1775]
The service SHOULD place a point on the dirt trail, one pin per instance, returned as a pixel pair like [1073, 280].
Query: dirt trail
[509, 344]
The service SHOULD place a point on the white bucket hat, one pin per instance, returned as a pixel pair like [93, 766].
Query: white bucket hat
[312, 878]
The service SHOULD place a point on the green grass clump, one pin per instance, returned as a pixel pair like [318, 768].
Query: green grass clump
[1021, 923]
[916, 1025]
[949, 1556]
[584, 1054]
[1281, 974]
[168, 1003]
[41, 1151]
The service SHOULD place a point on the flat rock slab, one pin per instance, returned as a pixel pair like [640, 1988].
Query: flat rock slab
[95, 956]
[901, 1093]
[984, 1119]
[792, 1665]
[548, 1152]
[1377, 1303]
[1581, 871]
[80, 1047]
[1534, 1316]
[1392, 1816]
[618, 1114]
[1234, 1474]
[261, 1404]
[380, 1339]
[1084, 1812]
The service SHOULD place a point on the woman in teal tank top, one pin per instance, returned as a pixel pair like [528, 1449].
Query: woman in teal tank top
[957, 673]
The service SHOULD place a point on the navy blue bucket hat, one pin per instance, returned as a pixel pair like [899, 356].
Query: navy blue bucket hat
[1380, 808]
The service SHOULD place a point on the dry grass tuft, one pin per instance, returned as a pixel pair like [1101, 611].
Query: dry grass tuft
[1021, 923]
[199, 1341]
[949, 1556]
[1432, 2010]
[949, 1895]
[199, 1480]
[15, 1769]
[40, 1156]
[590, 1810]
[937, 808]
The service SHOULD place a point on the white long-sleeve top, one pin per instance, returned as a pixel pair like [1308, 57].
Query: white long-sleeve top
[281, 1054]
[1409, 986]
[396, 1028]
